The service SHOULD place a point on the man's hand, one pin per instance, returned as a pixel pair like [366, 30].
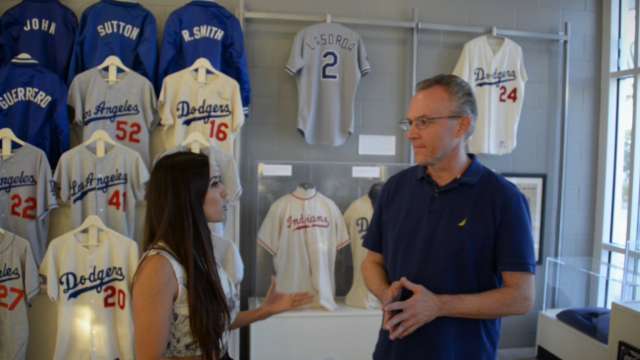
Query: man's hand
[421, 308]
[391, 295]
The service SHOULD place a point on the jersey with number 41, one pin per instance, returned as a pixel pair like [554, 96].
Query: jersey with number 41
[497, 77]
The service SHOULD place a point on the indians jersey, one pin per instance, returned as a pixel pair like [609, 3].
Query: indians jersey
[212, 108]
[43, 29]
[303, 231]
[111, 27]
[205, 29]
[357, 217]
[108, 187]
[497, 78]
[91, 285]
[126, 109]
[27, 194]
[18, 285]
[33, 103]
[328, 61]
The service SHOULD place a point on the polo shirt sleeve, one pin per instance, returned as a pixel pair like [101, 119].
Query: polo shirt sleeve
[373, 237]
[514, 246]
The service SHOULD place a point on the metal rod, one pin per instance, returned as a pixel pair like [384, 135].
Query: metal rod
[484, 30]
[414, 69]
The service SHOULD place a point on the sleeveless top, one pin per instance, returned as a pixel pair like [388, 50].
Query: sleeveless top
[181, 341]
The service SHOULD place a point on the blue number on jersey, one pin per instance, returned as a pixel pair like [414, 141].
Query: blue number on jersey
[332, 62]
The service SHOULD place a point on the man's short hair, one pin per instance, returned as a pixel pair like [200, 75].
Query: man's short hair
[461, 93]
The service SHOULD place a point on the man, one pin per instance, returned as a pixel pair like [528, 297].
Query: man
[450, 244]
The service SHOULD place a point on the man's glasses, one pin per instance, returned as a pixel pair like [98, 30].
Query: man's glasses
[422, 122]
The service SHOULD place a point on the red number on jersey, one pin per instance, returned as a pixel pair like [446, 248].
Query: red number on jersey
[220, 132]
[4, 293]
[135, 131]
[126, 131]
[513, 94]
[113, 295]
[118, 202]
[28, 211]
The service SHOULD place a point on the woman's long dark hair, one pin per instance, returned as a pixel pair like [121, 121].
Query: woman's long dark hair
[175, 216]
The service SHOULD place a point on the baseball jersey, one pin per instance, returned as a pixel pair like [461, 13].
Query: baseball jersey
[108, 187]
[328, 61]
[18, 285]
[228, 257]
[126, 109]
[27, 194]
[205, 29]
[91, 286]
[303, 231]
[111, 27]
[33, 103]
[44, 29]
[357, 218]
[497, 78]
[212, 108]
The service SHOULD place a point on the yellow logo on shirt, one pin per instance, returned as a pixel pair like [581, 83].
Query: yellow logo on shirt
[462, 223]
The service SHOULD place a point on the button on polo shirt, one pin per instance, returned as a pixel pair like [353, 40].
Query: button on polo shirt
[455, 239]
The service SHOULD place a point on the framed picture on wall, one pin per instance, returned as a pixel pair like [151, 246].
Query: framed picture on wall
[532, 186]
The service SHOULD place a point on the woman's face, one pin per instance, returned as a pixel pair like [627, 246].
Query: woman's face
[214, 201]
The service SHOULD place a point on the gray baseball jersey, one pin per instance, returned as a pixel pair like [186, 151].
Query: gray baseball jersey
[127, 109]
[108, 186]
[18, 285]
[26, 196]
[328, 61]
[91, 286]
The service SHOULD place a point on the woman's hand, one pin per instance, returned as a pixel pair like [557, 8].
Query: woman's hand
[276, 302]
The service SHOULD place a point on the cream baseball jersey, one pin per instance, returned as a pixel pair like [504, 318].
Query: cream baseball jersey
[497, 77]
[18, 285]
[126, 109]
[91, 285]
[357, 217]
[108, 186]
[27, 194]
[303, 231]
[212, 108]
[328, 61]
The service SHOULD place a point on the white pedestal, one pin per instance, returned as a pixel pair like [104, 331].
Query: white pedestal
[314, 334]
[625, 326]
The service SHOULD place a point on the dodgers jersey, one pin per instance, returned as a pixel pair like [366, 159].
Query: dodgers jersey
[212, 108]
[328, 61]
[303, 231]
[18, 285]
[27, 194]
[33, 103]
[108, 187]
[44, 29]
[111, 27]
[357, 217]
[126, 109]
[497, 77]
[205, 29]
[91, 286]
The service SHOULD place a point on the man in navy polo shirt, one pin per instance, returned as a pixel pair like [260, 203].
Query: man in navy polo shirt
[450, 244]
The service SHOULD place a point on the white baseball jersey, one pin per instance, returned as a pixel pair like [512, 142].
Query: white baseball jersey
[357, 217]
[91, 285]
[108, 186]
[228, 257]
[328, 61]
[27, 194]
[18, 285]
[497, 78]
[220, 164]
[212, 108]
[126, 110]
[303, 231]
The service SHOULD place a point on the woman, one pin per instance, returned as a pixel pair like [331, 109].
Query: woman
[182, 300]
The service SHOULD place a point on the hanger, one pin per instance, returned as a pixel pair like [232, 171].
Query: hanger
[306, 185]
[7, 137]
[24, 58]
[113, 63]
[92, 223]
[328, 18]
[202, 65]
[100, 137]
[195, 141]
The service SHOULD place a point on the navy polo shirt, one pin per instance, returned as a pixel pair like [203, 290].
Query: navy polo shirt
[455, 239]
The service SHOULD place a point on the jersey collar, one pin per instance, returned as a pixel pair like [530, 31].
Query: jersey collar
[470, 176]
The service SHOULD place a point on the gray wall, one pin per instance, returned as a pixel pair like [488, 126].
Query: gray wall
[270, 132]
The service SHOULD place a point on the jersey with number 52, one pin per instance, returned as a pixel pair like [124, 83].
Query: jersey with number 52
[328, 61]
[497, 77]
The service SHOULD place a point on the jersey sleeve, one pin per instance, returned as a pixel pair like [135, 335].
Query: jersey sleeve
[234, 61]
[60, 128]
[270, 231]
[31, 277]
[61, 180]
[164, 107]
[340, 228]
[75, 101]
[170, 47]
[462, 68]
[373, 238]
[523, 71]
[76, 64]
[147, 50]
[296, 57]
[140, 178]
[46, 189]
[514, 244]
[150, 106]
[238, 110]
[363, 59]
[49, 273]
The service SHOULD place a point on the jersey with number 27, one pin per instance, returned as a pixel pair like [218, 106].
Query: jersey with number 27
[497, 76]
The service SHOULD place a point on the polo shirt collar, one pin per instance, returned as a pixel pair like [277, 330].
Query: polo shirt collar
[470, 176]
